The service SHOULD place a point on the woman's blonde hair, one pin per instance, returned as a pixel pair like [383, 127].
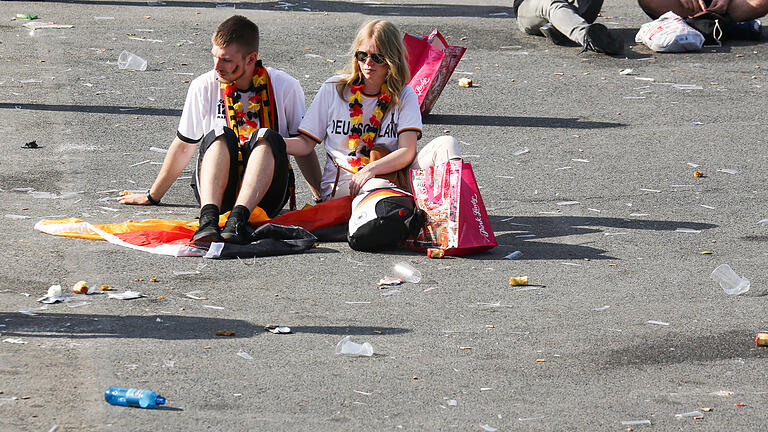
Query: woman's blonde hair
[389, 43]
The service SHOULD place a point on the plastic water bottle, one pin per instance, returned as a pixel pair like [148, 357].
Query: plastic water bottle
[133, 397]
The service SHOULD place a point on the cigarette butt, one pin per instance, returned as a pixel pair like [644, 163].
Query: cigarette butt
[465, 82]
[80, 287]
[698, 174]
[435, 253]
[518, 280]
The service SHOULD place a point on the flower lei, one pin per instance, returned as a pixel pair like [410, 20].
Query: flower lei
[259, 106]
[362, 136]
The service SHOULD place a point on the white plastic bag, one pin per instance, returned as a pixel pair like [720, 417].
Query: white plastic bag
[669, 33]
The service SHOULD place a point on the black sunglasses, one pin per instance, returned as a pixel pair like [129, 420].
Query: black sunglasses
[376, 57]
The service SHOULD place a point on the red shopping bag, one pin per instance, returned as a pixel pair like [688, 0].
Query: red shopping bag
[457, 221]
[431, 62]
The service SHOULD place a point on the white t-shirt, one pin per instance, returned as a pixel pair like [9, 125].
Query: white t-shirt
[327, 121]
[204, 109]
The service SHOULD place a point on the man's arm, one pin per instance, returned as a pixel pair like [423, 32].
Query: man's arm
[177, 158]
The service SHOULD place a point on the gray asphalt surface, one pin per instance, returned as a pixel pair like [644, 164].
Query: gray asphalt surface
[620, 145]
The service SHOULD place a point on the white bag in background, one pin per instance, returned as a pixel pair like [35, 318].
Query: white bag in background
[669, 33]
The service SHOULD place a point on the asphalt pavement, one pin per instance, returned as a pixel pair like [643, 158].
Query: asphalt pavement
[622, 323]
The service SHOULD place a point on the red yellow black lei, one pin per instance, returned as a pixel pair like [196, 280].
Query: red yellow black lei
[259, 106]
[362, 136]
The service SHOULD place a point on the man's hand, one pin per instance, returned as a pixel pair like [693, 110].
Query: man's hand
[358, 180]
[134, 199]
[693, 6]
[718, 7]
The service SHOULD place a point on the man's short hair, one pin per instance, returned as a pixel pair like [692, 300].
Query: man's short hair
[239, 30]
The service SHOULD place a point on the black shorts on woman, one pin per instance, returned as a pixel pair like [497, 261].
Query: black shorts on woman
[283, 180]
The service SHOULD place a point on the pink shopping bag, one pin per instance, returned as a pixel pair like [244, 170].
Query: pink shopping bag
[457, 221]
[431, 62]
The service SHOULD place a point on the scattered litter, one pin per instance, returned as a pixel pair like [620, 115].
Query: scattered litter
[140, 163]
[357, 302]
[531, 418]
[601, 308]
[278, 329]
[707, 207]
[518, 280]
[567, 203]
[697, 123]
[192, 295]
[26, 16]
[571, 264]
[346, 346]
[50, 25]
[80, 287]
[407, 272]
[391, 292]
[638, 214]
[662, 323]
[727, 171]
[645, 79]
[764, 222]
[499, 14]
[140, 39]
[103, 18]
[635, 422]
[594, 210]
[54, 295]
[435, 253]
[563, 168]
[693, 165]
[580, 160]
[14, 340]
[31, 144]
[514, 255]
[465, 82]
[729, 281]
[225, 333]
[388, 281]
[650, 190]
[245, 355]
[488, 428]
[130, 61]
[690, 414]
[362, 392]
[761, 339]
[127, 295]
[158, 149]
[522, 151]
[213, 307]
[16, 217]
[687, 86]
[687, 230]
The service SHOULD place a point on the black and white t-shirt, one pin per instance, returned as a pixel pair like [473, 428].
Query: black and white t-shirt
[204, 109]
[327, 121]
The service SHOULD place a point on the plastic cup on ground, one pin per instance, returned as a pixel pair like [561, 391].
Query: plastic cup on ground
[407, 272]
[346, 346]
[729, 281]
[131, 61]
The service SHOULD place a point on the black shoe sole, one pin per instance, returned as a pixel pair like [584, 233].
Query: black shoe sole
[600, 40]
[207, 235]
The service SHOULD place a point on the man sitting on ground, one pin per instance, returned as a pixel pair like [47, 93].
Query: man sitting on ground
[233, 111]
[567, 22]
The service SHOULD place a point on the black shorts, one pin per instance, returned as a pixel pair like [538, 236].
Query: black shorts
[282, 180]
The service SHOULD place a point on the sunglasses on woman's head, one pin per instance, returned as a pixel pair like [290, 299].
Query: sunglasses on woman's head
[376, 57]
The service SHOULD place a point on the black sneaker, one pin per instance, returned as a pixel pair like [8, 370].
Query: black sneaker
[599, 40]
[553, 35]
[208, 231]
[236, 231]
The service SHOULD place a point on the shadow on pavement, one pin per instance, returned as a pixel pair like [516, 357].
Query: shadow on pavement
[172, 327]
[491, 120]
[680, 348]
[371, 8]
[94, 109]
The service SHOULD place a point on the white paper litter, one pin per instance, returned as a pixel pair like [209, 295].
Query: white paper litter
[488, 428]
[245, 355]
[727, 171]
[690, 414]
[16, 217]
[567, 203]
[635, 422]
[601, 308]
[661, 323]
[522, 151]
[127, 295]
[687, 230]
[14, 340]
[453, 402]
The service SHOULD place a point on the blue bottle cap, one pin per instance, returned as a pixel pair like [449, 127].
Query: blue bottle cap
[160, 400]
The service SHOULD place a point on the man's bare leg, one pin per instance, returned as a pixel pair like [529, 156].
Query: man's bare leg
[213, 177]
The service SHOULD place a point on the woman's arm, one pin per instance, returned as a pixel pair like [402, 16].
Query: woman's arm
[398, 159]
[303, 150]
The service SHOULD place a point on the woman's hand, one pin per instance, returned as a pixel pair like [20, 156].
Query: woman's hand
[359, 179]
[134, 199]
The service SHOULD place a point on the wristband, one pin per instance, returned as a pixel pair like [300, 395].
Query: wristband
[152, 200]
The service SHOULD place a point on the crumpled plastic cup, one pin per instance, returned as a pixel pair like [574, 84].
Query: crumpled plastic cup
[729, 281]
[346, 346]
[407, 272]
[131, 61]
